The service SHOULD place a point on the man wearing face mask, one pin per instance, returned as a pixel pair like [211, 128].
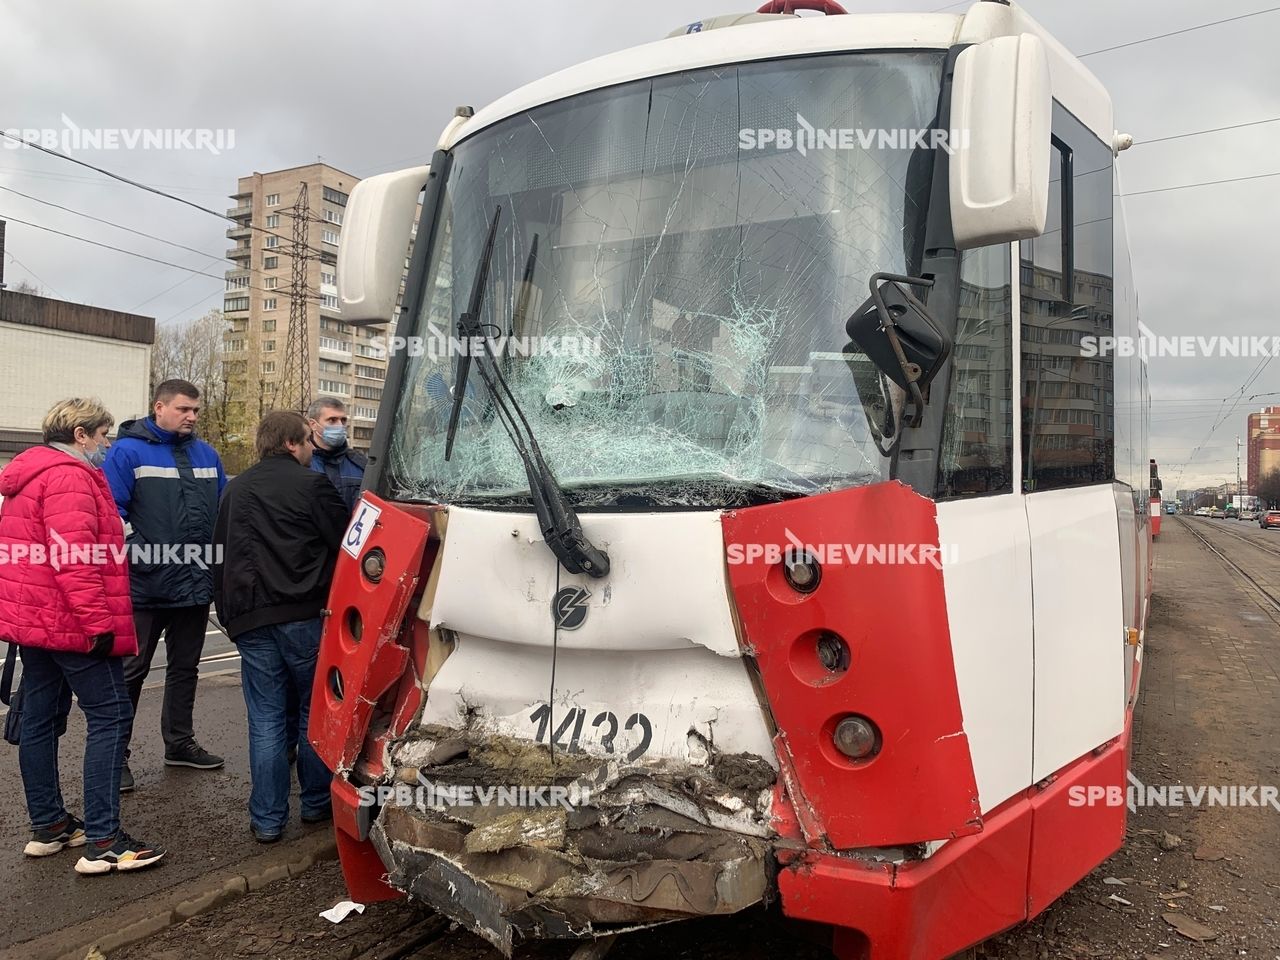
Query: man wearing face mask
[279, 527]
[327, 418]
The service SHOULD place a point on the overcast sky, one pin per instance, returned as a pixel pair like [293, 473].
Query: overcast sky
[368, 88]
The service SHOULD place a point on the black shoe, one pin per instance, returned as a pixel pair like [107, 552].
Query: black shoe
[320, 816]
[125, 853]
[265, 837]
[126, 779]
[51, 840]
[192, 755]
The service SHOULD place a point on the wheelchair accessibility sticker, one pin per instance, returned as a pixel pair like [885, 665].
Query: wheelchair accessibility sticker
[362, 524]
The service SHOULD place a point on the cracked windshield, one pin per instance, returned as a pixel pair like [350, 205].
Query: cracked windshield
[669, 285]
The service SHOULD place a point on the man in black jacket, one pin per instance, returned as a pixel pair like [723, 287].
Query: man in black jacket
[279, 526]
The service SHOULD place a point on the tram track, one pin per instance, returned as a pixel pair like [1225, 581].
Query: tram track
[1258, 589]
[1265, 547]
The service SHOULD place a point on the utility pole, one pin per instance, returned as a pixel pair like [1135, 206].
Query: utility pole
[1238, 491]
[295, 379]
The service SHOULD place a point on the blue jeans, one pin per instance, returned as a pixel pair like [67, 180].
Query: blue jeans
[276, 661]
[48, 680]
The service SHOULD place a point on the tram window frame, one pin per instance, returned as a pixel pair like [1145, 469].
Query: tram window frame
[1068, 138]
[982, 370]
[1062, 152]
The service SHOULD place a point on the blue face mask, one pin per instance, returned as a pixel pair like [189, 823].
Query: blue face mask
[334, 436]
[97, 456]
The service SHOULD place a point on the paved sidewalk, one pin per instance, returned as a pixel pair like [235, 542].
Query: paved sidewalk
[199, 816]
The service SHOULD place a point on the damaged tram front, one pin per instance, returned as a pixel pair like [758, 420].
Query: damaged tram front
[645, 613]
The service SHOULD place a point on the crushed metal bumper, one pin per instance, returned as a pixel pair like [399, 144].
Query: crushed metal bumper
[644, 843]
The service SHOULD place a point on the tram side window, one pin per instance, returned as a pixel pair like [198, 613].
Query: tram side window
[977, 438]
[1068, 428]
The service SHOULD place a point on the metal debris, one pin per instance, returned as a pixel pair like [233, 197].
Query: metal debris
[650, 841]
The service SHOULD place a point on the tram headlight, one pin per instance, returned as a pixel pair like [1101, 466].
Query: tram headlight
[801, 570]
[375, 564]
[857, 738]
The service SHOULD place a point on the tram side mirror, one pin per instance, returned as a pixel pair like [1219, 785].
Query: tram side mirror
[896, 332]
[1001, 110]
[378, 223]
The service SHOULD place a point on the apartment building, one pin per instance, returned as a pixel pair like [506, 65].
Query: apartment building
[1264, 445]
[341, 360]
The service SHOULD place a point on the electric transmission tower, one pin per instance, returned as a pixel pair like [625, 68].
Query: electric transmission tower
[294, 390]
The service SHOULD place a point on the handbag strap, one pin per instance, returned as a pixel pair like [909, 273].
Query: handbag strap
[6, 675]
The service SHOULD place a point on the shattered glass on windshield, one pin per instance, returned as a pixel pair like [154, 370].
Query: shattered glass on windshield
[667, 297]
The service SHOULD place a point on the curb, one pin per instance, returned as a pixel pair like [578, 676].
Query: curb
[178, 904]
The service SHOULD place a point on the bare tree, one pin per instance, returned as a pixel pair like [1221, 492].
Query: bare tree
[1269, 488]
[193, 351]
[189, 351]
[26, 286]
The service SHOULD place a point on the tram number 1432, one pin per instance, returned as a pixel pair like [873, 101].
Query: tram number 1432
[604, 729]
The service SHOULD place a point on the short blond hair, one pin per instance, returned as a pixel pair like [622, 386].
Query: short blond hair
[60, 422]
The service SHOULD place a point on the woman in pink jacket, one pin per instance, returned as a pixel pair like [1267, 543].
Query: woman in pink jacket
[64, 600]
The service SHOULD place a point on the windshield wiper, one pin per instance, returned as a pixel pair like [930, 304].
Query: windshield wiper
[556, 517]
[469, 326]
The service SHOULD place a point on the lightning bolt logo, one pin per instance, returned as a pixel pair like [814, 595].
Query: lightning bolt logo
[569, 607]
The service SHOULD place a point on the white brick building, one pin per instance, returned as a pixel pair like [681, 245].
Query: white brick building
[51, 350]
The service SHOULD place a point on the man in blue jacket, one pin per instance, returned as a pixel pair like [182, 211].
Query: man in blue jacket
[166, 483]
[327, 418]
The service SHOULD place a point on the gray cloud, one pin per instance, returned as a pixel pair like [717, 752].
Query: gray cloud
[368, 89]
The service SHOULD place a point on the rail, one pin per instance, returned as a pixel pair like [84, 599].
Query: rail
[1239, 570]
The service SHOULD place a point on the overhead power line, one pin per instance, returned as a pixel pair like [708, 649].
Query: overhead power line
[98, 181]
[110, 223]
[168, 289]
[130, 253]
[1199, 183]
[140, 233]
[1196, 133]
[14, 257]
[134, 183]
[114, 176]
[1174, 33]
[175, 316]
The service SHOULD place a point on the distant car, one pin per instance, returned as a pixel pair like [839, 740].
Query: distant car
[1268, 519]
[1217, 513]
[1247, 515]
[1202, 511]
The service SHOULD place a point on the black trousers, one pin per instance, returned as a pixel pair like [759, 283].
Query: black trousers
[183, 629]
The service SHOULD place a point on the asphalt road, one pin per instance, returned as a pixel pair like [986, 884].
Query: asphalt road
[199, 816]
